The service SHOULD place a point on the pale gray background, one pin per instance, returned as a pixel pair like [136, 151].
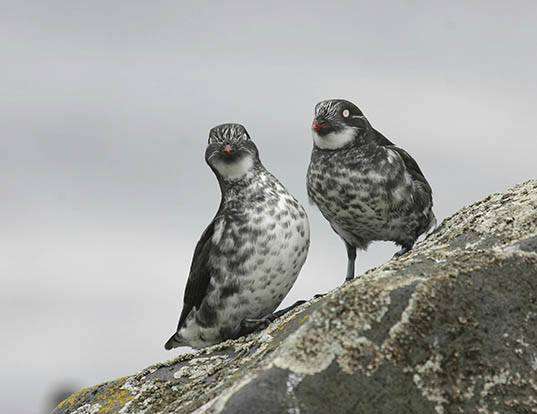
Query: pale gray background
[104, 112]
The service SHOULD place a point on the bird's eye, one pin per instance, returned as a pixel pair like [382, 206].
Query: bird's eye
[345, 113]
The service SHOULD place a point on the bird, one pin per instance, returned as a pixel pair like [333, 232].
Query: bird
[367, 188]
[251, 253]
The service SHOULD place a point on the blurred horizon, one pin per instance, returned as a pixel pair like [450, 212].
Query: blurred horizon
[104, 123]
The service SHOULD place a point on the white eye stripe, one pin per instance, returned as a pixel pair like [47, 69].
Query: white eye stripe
[345, 113]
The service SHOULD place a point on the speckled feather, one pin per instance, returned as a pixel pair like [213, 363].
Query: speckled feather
[247, 259]
[369, 189]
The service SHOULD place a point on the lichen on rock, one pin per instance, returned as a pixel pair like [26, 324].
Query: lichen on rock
[448, 328]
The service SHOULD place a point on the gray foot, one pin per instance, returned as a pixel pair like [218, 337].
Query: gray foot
[250, 325]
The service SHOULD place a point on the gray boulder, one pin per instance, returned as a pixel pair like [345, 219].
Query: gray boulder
[449, 328]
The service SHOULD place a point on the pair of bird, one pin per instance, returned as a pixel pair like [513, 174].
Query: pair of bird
[249, 256]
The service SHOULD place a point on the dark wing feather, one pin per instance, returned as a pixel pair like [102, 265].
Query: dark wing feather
[423, 194]
[424, 191]
[411, 166]
[199, 276]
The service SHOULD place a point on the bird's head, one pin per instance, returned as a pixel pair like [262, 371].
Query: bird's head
[231, 153]
[337, 123]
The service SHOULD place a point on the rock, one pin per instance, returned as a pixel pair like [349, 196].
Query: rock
[447, 328]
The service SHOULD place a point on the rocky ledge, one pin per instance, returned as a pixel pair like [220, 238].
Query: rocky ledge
[449, 328]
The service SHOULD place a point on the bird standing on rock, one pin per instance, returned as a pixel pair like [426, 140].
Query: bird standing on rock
[366, 187]
[250, 255]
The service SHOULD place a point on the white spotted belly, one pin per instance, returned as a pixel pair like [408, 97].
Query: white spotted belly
[274, 245]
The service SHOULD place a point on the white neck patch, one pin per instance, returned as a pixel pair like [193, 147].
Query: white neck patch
[234, 170]
[334, 140]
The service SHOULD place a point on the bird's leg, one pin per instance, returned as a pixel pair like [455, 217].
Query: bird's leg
[351, 258]
[406, 247]
[251, 325]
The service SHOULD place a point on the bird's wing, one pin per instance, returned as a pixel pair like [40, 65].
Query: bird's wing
[423, 193]
[199, 276]
[410, 164]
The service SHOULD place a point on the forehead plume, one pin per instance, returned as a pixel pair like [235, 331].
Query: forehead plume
[228, 133]
[330, 107]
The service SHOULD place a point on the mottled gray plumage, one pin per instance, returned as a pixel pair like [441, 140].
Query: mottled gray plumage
[365, 186]
[250, 254]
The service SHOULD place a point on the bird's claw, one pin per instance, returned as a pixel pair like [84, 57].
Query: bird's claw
[257, 324]
[404, 250]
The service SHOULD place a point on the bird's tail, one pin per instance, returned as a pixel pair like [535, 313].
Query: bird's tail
[175, 340]
[429, 226]
[432, 223]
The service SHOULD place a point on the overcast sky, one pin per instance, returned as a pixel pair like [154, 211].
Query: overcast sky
[104, 117]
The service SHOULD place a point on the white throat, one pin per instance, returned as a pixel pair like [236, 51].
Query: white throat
[234, 170]
[334, 140]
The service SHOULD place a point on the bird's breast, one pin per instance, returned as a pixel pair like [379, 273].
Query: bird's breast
[262, 245]
[359, 193]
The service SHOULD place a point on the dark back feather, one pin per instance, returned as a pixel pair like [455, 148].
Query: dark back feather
[381, 139]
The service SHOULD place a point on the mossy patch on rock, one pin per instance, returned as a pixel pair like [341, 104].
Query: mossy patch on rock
[106, 398]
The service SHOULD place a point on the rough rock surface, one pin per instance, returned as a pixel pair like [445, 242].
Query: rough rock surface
[449, 328]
